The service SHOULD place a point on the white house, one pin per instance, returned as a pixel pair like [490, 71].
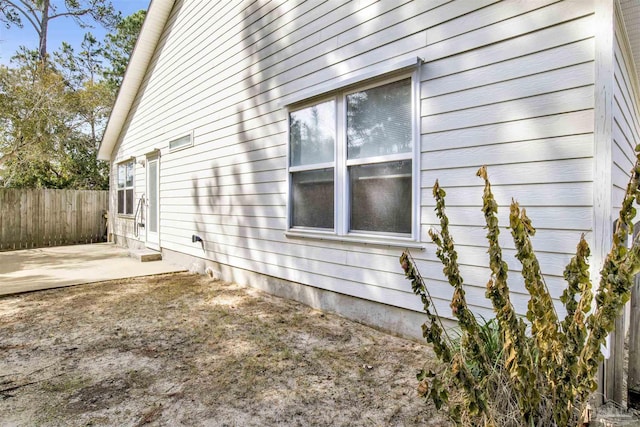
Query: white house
[299, 140]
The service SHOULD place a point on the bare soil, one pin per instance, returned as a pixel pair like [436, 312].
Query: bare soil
[186, 350]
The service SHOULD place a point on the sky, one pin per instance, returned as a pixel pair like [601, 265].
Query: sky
[61, 29]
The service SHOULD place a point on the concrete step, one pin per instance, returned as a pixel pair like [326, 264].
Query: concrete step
[145, 255]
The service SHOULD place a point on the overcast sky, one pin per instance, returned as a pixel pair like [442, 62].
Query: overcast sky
[61, 29]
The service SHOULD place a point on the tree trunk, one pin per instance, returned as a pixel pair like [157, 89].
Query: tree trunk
[42, 48]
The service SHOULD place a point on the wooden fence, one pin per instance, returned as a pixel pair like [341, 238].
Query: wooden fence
[39, 218]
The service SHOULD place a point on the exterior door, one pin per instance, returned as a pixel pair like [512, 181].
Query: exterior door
[153, 203]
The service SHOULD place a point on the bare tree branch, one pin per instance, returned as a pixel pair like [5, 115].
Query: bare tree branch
[30, 15]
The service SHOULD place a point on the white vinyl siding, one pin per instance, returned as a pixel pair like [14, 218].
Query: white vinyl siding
[626, 114]
[524, 108]
[507, 84]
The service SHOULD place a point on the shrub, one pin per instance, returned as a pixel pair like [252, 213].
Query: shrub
[510, 371]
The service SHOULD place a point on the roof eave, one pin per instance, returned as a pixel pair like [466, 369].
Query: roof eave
[150, 34]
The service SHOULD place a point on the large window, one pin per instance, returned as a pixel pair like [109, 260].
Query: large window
[351, 161]
[125, 187]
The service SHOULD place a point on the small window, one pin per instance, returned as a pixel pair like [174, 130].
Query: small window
[125, 187]
[182, 142]
[351, 161]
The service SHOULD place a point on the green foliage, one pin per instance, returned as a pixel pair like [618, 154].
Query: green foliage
[512, 372]
[49, 129]
[53, 113]
[119, 45]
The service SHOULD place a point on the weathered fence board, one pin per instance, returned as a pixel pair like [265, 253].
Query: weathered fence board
[38, 218]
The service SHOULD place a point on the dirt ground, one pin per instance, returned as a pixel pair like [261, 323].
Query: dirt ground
[185, 350]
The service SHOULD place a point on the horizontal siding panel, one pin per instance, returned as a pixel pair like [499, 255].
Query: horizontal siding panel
[225, 98]
[579, 122]
[367, 63]
[416, 15]
[617, 196]
[552, 194]
[555, 58]
[391, 41]
[575, 170]
[624, 118]
[536, 20]
[547, 241]
[208, 221]
[626, 123]
[479, 276]
[263, 131]
[547, 38]
[210, 177]
[465, 22]
[623, 150]
[620, 178]
[622, 133]
[258, 92]
[551, 218]
[240, 168]
[297, 33]
[626, 114]
[302, 38]
[273, 199]
[625, 78]
[239, 211]
[551, 81]
[231, 30]
[259, 251]
[225, 157]
[538, 41]
[552, 264]
[213, 191]
[535, 106]
[565, 147]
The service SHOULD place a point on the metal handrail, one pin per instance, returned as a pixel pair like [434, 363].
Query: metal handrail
[137, 224]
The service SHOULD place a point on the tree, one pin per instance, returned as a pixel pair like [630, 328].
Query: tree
[53, 113]
[90, 99]
[33, 124]
[38, 13]
[119, 46]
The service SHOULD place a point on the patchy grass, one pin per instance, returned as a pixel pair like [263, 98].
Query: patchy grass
[182, 349]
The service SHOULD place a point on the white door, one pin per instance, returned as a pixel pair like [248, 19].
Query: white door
[153, 203]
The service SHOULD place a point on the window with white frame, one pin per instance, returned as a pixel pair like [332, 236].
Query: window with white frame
[351, 161]
[125, 187]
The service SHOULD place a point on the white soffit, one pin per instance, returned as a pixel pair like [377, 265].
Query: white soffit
[150, 33]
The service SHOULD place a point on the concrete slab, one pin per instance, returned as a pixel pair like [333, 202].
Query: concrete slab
[46, 268]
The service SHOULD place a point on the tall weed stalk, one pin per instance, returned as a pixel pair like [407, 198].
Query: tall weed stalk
[515, 372]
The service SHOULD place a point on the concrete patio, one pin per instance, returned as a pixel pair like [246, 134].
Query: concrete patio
[45, 268]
